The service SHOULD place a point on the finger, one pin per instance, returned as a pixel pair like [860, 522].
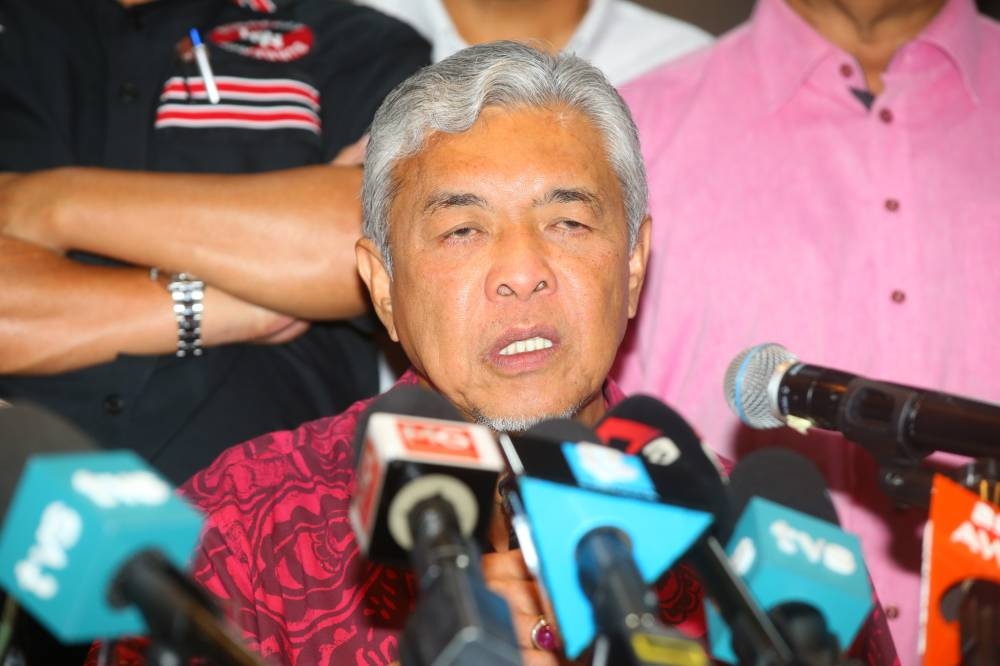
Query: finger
[505, 566]
[285, 334]
[538, 658]
[521, 597]
[352, 155]
[506, 574]
[524, 627]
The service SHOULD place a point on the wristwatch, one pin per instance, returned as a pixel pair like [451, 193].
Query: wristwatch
[188, 293]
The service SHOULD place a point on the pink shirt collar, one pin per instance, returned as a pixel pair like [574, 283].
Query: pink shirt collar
[790, 52]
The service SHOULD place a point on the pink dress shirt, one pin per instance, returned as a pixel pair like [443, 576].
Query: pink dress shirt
[864, 240]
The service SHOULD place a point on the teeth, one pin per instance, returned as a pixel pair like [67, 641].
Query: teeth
[529, 345]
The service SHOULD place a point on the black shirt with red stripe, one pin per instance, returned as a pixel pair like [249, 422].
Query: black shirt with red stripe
[88, 82]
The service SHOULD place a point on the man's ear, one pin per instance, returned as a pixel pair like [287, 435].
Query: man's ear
[372, 269]
[637, 265]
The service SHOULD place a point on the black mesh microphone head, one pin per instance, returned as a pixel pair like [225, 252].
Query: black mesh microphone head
[747, 380]
[784, 477]
[27, 430]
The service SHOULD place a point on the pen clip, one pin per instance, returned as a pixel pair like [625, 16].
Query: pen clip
[200, 51]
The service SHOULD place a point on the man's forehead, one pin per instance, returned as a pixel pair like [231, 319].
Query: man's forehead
[492, 115]
[518, 140]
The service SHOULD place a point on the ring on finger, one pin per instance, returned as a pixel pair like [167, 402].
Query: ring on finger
[542, 635]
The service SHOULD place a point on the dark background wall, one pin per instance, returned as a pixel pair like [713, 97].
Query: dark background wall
[717, 16]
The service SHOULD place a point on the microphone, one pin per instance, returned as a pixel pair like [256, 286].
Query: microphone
[591, 530]
[426, 482]
[91, 542]
[799, 565]
[961, 562]
[768, 387]
[684, 471]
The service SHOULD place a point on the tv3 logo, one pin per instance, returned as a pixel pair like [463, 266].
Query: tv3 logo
[58, 531]
[453, 441]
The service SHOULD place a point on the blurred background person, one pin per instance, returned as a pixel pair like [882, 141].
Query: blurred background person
[620, 37]
[95, 125]
[119, 160]
[825, 177]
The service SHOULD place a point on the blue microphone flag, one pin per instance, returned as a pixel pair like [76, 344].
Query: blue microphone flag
[785, 555]
[73, 521]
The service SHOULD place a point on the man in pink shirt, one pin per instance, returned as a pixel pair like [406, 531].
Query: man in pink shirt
[826, 177]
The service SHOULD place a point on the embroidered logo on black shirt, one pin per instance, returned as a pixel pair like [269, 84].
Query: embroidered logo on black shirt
[273, 41]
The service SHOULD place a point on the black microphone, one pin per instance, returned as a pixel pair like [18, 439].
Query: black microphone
[684, 471]
[768, 387]
[425, 490]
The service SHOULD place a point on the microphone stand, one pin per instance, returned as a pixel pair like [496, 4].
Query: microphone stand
[458, 620]
[629, 632]
[182, 620]
[974, 603]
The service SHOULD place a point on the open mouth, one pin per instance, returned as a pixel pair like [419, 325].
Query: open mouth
[535, 343]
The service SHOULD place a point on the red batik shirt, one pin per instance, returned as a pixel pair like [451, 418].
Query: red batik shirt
[279, 554]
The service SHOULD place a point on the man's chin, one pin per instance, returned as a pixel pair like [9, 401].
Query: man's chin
[518, 423]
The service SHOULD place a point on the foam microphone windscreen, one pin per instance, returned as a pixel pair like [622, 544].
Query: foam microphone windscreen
[562, 430]
[27, 430]
[785, 478]
[788, 548]
[684, 471]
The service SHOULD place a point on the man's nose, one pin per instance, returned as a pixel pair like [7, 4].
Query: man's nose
[521, 266]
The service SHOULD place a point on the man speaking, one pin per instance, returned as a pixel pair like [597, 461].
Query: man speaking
[505, 244]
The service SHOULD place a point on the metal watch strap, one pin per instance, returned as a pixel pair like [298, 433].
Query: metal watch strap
[187, 293]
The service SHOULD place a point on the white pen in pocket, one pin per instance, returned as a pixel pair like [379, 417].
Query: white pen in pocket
[204, 67]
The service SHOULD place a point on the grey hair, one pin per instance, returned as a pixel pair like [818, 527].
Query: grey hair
[450, 95]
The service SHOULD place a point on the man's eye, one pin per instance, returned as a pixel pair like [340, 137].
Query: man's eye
[572, 225]
[460, 233]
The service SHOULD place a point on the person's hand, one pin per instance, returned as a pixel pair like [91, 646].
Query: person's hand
[507, 575]
[352, 155]
[228, 319]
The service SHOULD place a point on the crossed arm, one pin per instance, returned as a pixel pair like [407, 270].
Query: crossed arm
[275, 250]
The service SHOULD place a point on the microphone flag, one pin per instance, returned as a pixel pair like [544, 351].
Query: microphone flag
[961, 543]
